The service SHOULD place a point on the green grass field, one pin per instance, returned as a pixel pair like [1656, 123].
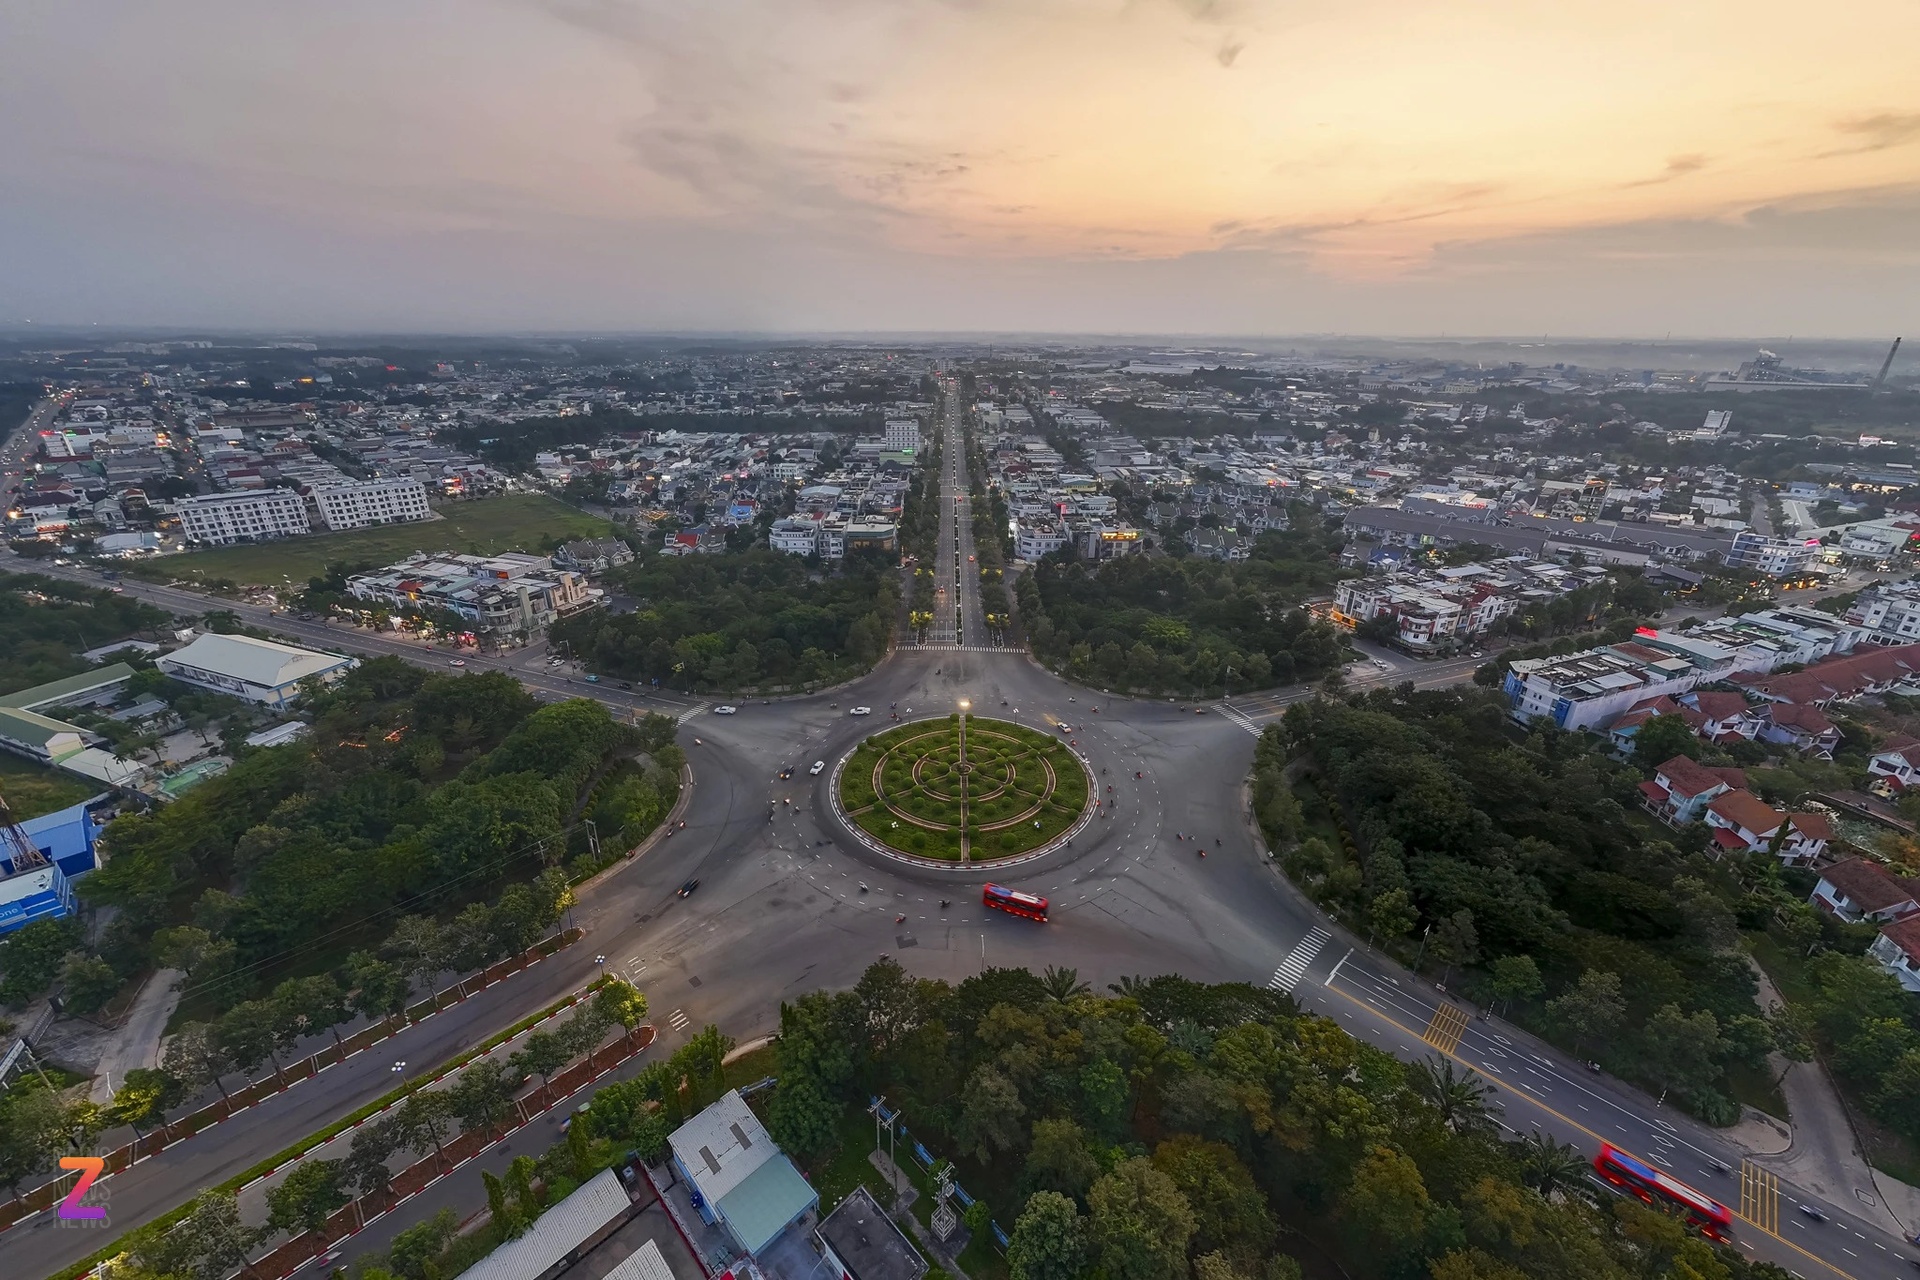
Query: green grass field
[483, 526]
[32, 789]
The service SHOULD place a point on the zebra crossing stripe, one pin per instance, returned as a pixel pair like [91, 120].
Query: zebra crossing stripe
[690, 713]
[1288, 975]
[1239, 717]
[678, 1019]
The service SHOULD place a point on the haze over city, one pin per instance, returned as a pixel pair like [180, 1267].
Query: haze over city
[838, 165]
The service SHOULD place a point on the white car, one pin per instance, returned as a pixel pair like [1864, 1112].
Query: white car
[726, 711]
[1382, 664]
[816, 767]
[861, 711]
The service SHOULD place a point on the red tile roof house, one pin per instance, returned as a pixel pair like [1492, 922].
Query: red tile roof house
[1804, 728]
[1740, 820]
[1682, 789]
[1721, 717]
[1837, 679]
[1898, 951]
[1621, 731]
[1897, 762]
[1856, 890]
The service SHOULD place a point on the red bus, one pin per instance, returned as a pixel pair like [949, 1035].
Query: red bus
[1637, 1178]
[1014, 902]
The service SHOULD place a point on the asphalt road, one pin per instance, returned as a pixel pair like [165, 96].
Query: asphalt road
[788, 903]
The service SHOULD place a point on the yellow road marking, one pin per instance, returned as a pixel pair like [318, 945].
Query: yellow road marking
[1760, 1197]
[1565, 1119]
[1448, 1025]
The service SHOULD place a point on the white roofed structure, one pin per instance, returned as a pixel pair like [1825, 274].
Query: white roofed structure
[263, 671]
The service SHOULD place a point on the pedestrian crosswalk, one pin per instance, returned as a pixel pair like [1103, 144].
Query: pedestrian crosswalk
[691, 712]
[678, 1020]
[1240, 718]
[965, 648]
[1449, 1023]
[1288, 975]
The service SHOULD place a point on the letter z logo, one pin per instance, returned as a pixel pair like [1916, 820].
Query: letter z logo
[90, 1167]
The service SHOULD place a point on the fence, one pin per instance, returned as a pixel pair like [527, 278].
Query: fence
[230, 1104]
[926, 1161]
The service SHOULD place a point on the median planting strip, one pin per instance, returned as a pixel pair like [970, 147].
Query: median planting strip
[293, 1153]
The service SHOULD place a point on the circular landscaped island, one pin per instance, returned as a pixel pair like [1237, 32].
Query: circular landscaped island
[964, 790]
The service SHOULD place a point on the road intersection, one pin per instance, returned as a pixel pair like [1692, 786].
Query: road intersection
[793, 904]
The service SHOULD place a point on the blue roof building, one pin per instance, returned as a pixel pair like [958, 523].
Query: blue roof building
[39, 894]
[740, 1180]
[66, 838]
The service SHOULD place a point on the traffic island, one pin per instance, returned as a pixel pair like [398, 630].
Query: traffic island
[964, 790]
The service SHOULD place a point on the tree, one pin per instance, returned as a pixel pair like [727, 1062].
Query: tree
[374, 988]
[307, 1197]
[145, 1096]
[802, 1118]
[1460, 1099]
[415, 1251]
[1387, 1200]
[210, 1243]
[253, 1032]
[1105, 1098]
[482, 1098]
[1659, 739]
[195, 1057]
[1551, 1168]
[1059, 1159]
[1062, 984]
[1139, 1223]
[87, 983]
[422, 1120]
[620, 1002]
[366, 1164]
[1682, 1049]
[1592, 1008]
[990, 1114]
[1230, 1215]
[542, 1055]
[1455, 941]
[1515, 977]
[33, 1134]
[1392, 915]
[1049, 1240]
[311, 1005]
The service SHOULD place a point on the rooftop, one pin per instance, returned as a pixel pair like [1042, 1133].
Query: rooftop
[260, 662]
[868, 1242]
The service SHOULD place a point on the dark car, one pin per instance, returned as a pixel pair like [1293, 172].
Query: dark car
[626, 684]
[687, 888]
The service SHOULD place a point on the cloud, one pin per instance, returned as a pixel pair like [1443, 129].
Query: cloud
[1881, 131]
[1677, 167]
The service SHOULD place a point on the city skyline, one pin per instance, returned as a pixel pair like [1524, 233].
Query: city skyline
[1179, 167]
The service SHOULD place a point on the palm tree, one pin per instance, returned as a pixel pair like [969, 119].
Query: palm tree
[1461, 1099]
[1062, 984]
[1552, 1169]
[1132, 987]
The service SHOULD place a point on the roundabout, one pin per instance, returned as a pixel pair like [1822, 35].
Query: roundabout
[963, 790]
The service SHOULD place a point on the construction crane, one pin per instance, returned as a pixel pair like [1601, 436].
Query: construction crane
[14, 843]
[1886, 364]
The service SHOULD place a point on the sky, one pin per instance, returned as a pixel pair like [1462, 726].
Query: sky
[1256, 167]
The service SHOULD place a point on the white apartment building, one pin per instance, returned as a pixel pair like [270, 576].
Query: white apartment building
[1889, 613]
[1775, 557]
[902, 435]
[832, 536]
[362, 503]
[1036, 539]
[222, 519]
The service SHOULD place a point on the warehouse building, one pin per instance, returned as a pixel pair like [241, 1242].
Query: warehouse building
[262, 671]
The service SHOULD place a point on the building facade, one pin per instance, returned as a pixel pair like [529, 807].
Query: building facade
[223, 519]
[370, 502]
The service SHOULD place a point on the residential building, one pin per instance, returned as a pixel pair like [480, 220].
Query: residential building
[902, 435]
[222, 519]
[1036, 538]
[1682, 788]
[1856, 889]
[369, 502]
[263, 671]
[1433, 608]
[1888, 613]
[745, 1184]
[592, 555]
[860, 1242]
[1775, 557]
[1804, 728]
[1897, 950]
[1896, 764]
[1739, 821]
[1839, 679]
[1594, 688]
[505, 597]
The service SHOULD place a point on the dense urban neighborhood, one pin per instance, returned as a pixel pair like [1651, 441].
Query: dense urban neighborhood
[1388, 814]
